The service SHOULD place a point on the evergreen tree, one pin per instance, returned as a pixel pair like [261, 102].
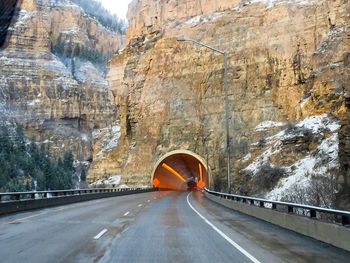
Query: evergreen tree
[22, 165]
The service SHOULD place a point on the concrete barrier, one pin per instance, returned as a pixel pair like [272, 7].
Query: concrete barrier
[25, 205]
[336, 235]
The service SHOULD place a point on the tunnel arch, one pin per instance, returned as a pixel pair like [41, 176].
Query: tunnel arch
[180, 170]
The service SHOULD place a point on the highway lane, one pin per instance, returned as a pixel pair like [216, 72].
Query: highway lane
[66, 233]
[152, 227]
[170, 231]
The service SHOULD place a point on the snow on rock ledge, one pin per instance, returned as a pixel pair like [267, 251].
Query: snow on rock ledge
[112, 180]
[319, 162]
[109, 138]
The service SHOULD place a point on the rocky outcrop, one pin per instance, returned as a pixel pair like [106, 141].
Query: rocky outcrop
[145, 16]
[59, 106]
[70, 23]
[287, 62]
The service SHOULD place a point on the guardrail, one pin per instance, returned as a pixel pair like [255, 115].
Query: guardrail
[18, 196]
[314, 212]
[22, 201]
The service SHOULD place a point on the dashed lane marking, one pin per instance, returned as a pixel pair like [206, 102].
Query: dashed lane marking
[100, 234]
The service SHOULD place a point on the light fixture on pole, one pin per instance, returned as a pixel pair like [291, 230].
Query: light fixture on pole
[224, 53]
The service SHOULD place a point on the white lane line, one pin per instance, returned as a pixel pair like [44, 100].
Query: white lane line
[148, 201]
[126, 213]
[100, 234]
[139, 205]
[238, 247]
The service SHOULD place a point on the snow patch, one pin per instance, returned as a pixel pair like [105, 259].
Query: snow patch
[318, 163]
[272, 3]
[112, 180]
[65, 4]
[22, 21]
[71, 31]
[204, 19]
[319, 123]
[268, 124]
[308, 167]
[85, 137]
[261, 160]
[34, 103]
[109, 137]
[247, 157]
[85, 71]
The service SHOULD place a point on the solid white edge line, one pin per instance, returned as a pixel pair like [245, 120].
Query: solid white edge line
[238, 247]
[126, 213]
[100, 234]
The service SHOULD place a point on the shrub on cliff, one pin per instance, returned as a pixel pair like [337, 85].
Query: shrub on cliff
[267, 177]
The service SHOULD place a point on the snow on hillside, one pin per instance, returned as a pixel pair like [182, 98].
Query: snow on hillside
[271, 3]
[317, 163]
[112, 180]
[216, 15]
[22, 20]
[204, 19]
[109, 138]
[85, 71]
[308, 167]
[268, 124]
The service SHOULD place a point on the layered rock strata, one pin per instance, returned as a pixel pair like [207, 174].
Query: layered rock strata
[288, 61]
[58, 106]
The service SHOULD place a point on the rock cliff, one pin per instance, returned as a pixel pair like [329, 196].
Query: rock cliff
[288, 67]
[59, 99]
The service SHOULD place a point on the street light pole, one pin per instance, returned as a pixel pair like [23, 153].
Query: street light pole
[224, 53]
[227, 125]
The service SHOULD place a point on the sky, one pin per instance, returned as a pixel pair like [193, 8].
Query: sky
[119, 7]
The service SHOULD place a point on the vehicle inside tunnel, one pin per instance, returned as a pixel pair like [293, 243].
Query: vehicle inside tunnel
[180, 172]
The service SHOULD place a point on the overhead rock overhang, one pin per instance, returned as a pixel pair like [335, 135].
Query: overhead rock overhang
[180, 170]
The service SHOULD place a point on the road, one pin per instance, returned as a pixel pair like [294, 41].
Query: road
[153, 227]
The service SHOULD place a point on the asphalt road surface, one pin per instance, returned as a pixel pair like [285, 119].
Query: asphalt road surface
[153, 227]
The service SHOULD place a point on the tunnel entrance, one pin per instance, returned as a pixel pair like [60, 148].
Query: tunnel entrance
[180, 171]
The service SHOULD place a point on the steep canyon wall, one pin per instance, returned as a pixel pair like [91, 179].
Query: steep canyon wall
[58, 105]
[288, 67]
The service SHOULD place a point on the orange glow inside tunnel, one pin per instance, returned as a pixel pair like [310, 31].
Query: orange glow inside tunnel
[177, 172]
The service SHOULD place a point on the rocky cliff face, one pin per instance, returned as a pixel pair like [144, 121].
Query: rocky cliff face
[60, 104]
[288, 67]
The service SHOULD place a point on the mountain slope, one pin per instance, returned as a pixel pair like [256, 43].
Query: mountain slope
[58, 96]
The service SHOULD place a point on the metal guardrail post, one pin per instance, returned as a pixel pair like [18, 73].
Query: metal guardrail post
[345, 220]
[312, 213]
